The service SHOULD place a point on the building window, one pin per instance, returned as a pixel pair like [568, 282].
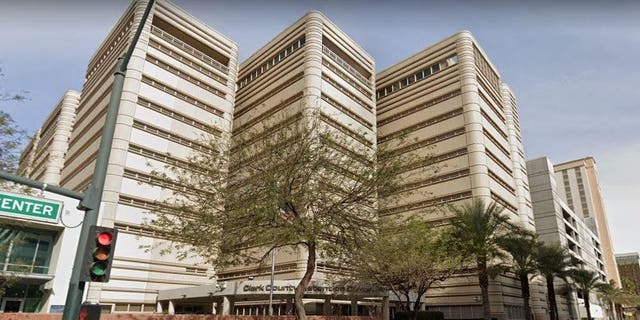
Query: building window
[27, 251]
[106, 308]
[452, 60]
[122, 308]
[424, 73]
[134, 307]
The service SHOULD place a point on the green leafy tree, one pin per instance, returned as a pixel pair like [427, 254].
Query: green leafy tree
[299, 187]
[480, 228]
[11, 136]
[408, 258]
[613, 296]
[585, 281]
[11, 139]
[522, 246]
[554, 261]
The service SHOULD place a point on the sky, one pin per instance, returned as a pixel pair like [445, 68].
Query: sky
[573, 65]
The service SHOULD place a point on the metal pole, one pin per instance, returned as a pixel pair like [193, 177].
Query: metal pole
[273, 269]
[40, 185]
[93, 195]
[276, 185]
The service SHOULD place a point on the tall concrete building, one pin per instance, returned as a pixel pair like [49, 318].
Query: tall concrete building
[557, 223]
[179, 87]
[578, 179]
[449, 100]
[35, 247]
[311, 71]
[43, 157]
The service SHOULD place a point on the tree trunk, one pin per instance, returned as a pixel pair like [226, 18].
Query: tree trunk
[416, 306]
[407, 302]
[587, 304]
[551, 296]
[483, 278]
[304, 282]
[614, 312]
[524, 285]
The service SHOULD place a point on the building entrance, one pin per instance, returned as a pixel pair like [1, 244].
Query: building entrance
[11, 305]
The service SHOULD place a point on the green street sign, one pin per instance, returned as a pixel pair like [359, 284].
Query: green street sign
[25, 207]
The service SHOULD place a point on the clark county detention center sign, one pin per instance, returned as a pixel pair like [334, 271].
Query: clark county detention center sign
[25, 207]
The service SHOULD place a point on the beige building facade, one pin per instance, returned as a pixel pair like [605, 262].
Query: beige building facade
[179, 87]
[578, 180]
[448, 101]
[43, 157]
[312, 72]
[557, 223]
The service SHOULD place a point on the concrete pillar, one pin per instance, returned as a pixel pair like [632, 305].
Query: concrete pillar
[385, 308]
[473, 117]
[312, 66]
[158, 307]
[60, 141]
[354, 307]
[227, 306]
[172, 308]
[326, 307]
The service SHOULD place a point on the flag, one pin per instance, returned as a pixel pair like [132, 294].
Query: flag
[288, 212]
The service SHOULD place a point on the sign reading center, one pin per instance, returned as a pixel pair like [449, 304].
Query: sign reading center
[26, 207]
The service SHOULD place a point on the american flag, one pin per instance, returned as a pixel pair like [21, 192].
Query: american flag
[288, 212]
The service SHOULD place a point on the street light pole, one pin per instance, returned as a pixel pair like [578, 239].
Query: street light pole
[273, 252]
[273, 269]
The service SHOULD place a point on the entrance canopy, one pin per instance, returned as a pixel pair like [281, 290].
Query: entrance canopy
[260, 289]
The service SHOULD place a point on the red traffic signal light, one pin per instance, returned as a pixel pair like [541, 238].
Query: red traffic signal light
[104, 238]
[89, 312]
[99, 254]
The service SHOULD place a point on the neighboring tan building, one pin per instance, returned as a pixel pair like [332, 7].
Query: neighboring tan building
[557, 223]
[179, 87]
[312, 72]
[629, 269]
[579, 181]
[448, 100]
[44, 156]
[37, 245]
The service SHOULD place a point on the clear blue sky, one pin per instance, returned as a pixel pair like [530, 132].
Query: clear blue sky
[574, 66]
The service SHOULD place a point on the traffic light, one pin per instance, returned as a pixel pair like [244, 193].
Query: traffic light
[98, 254]
[89, 312]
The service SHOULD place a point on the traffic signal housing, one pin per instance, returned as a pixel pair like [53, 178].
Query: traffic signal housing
[89, 312]
[98, 254]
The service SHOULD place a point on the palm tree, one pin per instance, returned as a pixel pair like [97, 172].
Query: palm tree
[585, 281]
[522, 247]
[612, 295]
[478, 228]
[553, 261]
